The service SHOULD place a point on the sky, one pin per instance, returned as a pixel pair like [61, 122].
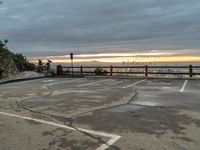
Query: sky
[58, 27]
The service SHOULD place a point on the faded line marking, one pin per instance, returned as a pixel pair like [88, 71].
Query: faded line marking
[93, 83]
[183, 87]
[59, 92]
[133, 84]
[110, 142]
[59, 82]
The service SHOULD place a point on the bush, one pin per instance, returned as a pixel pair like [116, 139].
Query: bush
[29, 66]
[100, 71]
[21, 59]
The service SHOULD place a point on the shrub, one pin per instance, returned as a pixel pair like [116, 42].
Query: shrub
[21, 59]
[100, 71]
[29, 66]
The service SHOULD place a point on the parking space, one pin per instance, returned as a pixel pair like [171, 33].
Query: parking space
[168, 93]
[23, 134]
[100, 113]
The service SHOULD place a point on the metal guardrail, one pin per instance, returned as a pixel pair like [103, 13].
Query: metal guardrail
[143, 70]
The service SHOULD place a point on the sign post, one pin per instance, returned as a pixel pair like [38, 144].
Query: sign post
[72, 57]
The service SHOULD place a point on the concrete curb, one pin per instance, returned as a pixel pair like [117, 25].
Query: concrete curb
[35, 78]
[19, 80]
[68, 76]
[86, 76]
[134, 77]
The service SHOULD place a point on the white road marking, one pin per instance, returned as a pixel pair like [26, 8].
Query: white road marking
[111, 141]
[64, 81]
[133, 84]
[59, 92]
[93, 83]
[49, 80]
[183, 87]
[146, 103]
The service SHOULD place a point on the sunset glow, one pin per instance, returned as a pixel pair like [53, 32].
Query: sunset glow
[120, 57]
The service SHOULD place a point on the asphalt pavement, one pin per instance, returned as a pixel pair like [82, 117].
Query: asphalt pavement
[100, 113]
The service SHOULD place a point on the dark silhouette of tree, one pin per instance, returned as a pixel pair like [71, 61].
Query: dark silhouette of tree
[1, 2]
[2, 44]
[6, 41]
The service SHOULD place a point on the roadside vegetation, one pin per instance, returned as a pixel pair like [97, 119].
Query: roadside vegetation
[100, 71]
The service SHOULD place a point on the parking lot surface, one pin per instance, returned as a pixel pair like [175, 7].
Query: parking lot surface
[100, 113]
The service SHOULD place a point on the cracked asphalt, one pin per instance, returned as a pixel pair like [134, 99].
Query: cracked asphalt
[150, 115]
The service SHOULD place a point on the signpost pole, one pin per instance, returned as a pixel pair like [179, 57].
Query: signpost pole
[72, 65]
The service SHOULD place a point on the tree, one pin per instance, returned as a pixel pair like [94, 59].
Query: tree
[2, 44]
[19, 58]
[6, 41]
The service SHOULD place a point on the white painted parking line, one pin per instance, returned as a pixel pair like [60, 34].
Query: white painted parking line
[184, 85]
[110, 142]
[92, 83]
[64, 81]
[133, 84]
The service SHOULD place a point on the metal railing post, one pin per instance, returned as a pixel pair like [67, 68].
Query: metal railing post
[190, 70]
[146, 71]
[111, 70]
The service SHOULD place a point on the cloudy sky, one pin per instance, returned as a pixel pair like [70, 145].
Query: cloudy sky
[57, 27]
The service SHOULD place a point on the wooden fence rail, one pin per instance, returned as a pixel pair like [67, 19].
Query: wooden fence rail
[146, 70]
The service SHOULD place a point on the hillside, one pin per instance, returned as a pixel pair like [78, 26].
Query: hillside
[6, 63]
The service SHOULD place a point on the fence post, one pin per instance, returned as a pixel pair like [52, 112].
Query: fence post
[111, 70]
[190, 71]
[146, 71]
[81, 69]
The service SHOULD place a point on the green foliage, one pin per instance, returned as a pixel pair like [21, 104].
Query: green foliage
[2, 45]
[3, 49]
[100, 71]
[19, 58]
[29, 66]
